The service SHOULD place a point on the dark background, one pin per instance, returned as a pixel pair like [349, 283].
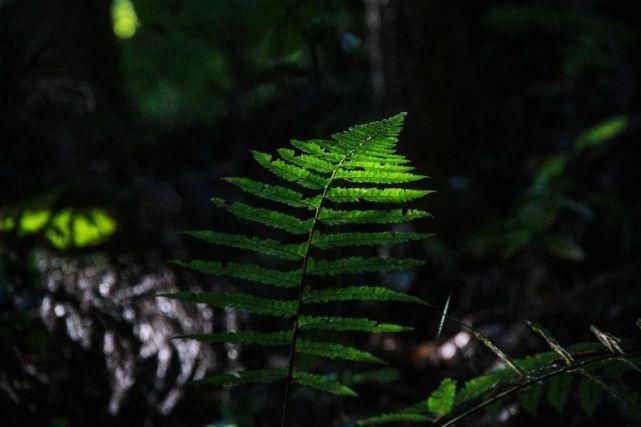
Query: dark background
[525, 114]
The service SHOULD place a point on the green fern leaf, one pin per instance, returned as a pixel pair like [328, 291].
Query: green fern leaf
[266, 216]
[335, 351]
[275, 193]
[307, 161]
[315, 148]
[357, 293]
[589, 395]
[559, 391]
[360, 265]
[245, 377]
[377, 176]
[260, 338]
[476, 387]
[290, 252]
[376, 195]
[349, 324]
[408, 415]
[552, 342]
[374, 166]
[240, 301]
[331, 241]
[290, 172]
[340, 217]
[321, 383]
[251, 272]
[441, 401]
[530, 398]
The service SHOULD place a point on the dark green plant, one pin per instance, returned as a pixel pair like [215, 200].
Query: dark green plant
[356, 166]
[595, 367]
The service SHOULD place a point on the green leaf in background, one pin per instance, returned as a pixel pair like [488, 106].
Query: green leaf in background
[564, 248]
[602, 132]
[441, 401]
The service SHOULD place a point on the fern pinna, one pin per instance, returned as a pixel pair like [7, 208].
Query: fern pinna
[356, 166]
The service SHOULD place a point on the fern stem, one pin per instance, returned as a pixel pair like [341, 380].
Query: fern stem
[635, 352]
[301, 284]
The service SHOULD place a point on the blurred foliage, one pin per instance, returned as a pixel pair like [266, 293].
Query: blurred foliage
[538, 209]
[200, 60]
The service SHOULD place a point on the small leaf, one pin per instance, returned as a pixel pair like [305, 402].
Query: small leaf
[552, 342]
[589, 395]
[504, 358]
[266, 216]
[377, 195]
[330, 241]
[559, 391]
[335, 351]
[441, 401]
[443, 316]
[291, 252]
[357, 293]
[410, 416]
[349, 324]
[340, 217]
[251, 272]
[320, 383]
[609, 341]
[530, 397]
[240, 301]
[275, 193]
[360, 265]
[290, 172]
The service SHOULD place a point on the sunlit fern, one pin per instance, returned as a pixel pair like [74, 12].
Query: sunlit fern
[355, 167]
[596, 368]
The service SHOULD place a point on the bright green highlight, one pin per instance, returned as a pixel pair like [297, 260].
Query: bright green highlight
[125, 20]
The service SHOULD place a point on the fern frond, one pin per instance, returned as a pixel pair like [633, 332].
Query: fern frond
[376, 195]
[268, 339]
[290, 172]
[335, 351]
[240, 301]
[360, 265]
[357, 293]
[251, 272]
[275, 193]
[362, 155]
[267, 217]
[342, 217]
[290, 252]
[349, 324]
[331, 241]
